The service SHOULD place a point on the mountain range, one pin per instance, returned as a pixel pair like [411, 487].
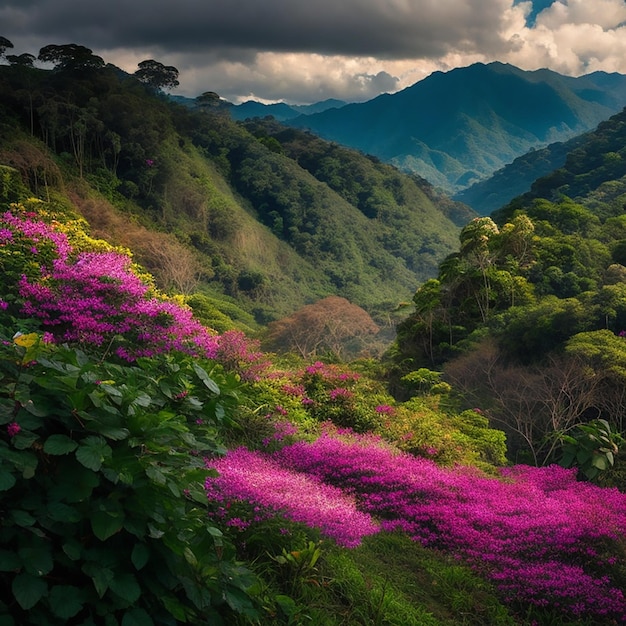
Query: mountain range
[457, 128]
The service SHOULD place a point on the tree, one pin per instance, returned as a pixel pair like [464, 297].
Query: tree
[330, 325]
[535, 405]
[4, 44]
[23, 60]
[70, 56]
[157, 75]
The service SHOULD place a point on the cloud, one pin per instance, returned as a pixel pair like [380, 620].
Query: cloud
[303, 51]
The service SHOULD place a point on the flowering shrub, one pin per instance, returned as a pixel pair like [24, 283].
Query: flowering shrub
[540, 536]
[242, 355]
[96, 299]
[251, 477]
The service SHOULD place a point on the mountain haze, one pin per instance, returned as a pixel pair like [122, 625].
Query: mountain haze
[459, 127]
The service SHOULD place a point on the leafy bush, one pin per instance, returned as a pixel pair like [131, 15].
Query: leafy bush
[104, 516]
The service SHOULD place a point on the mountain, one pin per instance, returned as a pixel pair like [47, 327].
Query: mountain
[516, 178]
[281, 111]
[459, 127]
[593, 173]
[210, 207]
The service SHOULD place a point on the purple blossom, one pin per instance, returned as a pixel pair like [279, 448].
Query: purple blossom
[254, 478]
[530, 532]
[13, 428]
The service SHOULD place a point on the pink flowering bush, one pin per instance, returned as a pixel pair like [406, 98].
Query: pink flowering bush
[542, 537]
[250, 477]
[96, 299]
[242, 355]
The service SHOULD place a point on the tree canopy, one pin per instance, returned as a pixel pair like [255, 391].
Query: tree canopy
[157, 75]
[70, 56]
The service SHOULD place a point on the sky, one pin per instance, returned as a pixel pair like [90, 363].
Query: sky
[304, 51]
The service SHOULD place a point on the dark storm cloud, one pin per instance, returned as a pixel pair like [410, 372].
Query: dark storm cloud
[382, 28]
[309, 50]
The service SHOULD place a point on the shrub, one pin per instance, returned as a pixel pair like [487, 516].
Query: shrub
[103, 515]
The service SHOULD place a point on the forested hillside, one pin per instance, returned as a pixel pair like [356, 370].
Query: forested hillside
[459, 127]
[216, 209]
[528, 318]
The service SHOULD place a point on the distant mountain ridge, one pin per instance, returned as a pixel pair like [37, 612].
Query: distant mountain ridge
[281, 111]
[459, 127]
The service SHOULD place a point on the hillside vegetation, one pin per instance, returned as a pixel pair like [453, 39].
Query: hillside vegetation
[214, 208]
[527, 319]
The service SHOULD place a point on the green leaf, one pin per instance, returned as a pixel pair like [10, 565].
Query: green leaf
[140, 555]
[137, 617]
[92, 452]
[59, 444]
[7, 480]
[22, 518]
[37, 558]
[176, 609]
[239, 601]
[206, 379]
[100, 576]
[155, 475]
[9, 561]
[28, 590]
[73, 549]
[24, 440]
[65, 600]
[112, 432]
[106, 523]
[60, 512]
[600, 462]
[126, 587]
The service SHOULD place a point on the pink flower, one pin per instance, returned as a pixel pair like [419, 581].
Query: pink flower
[13, 428]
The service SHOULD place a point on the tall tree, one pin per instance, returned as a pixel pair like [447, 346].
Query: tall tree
[70, 56]
[24, 60]
[4, 44]
[157, 75]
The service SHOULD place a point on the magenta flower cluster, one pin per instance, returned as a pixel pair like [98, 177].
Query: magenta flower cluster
[241, 354]
[542, 537]
[329, 373]
[94, 297]
[254, 478]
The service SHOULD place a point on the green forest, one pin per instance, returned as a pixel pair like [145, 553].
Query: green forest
[249, 376]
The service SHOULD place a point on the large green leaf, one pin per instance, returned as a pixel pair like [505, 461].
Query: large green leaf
[92, 452]
[140, 555]
[206, 379]
[59, 444]
[7, 480]
[60, 512]
[101, 576]
[106, 523]
[65, 600]
[37, 557]
[126, 587]
[28, 590]
[24, 440]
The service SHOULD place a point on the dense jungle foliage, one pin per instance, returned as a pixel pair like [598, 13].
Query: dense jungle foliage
[158, 468]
